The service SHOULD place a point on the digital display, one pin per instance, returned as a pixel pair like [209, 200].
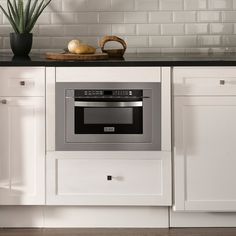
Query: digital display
[108, 93]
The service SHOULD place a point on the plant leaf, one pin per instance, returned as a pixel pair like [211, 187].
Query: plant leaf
[32, 10]
[22, 17]
[34, 17]
[11, 9]
[15, 8]
[27, 11]
[10, 20]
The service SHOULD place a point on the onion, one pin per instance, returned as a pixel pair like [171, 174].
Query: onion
[73, 45]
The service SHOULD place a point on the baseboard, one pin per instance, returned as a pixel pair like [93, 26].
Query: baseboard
[84, 217]
[190, 219]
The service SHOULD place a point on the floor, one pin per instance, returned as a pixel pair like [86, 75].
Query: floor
[120, 232]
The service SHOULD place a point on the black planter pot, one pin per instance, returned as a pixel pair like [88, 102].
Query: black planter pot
[21, 44]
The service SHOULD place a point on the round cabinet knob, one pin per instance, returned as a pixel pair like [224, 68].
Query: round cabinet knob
[22, 83]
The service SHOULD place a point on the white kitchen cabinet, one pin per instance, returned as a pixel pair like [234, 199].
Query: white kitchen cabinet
[204, 145]
[22, 151]
[109, 178]
[22, 141]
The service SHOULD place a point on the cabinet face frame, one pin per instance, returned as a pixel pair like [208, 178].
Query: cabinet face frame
[157, 74]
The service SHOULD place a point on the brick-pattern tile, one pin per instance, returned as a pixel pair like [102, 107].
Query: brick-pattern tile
[147, 25]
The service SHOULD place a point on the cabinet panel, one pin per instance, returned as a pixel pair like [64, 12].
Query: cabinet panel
[108, 74]
[92, 180]
[208, 81]
[22, 145]
[204, 153]
[22, 81]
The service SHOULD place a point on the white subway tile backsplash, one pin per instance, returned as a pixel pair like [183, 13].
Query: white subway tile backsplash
[54, 6]
[185, 41]
[160, 17]
[111, 17]
[98, 5]
[160, 41]
[73, 6]
[44, 19]
[122, 5]
[147, 25]
[220, 4]
[209, 41]
[220, 28]
[171, 4]
[136, 41]
[63, 18]
[172, 29]
[181, 16]
[195, 29]
[76, 30]
[99, 30]
[146, 5]
[195, 4]
[229, 16]
[148, 29]
[136, 17]
[86, 18]
[123, 29]
[209, 16]
[229, 41]
[5, 30]
[51, 30]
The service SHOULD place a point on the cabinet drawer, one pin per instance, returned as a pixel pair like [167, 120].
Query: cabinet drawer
[22, 81]
[204, 81]
[73, 181]
[108, 74]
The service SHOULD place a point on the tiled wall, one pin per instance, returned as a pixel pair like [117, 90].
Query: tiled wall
[146, 25]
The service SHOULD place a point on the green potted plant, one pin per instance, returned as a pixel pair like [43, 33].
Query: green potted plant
[22, 19]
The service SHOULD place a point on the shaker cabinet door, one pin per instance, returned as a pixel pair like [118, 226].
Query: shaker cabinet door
[22, 145]
[204, 153]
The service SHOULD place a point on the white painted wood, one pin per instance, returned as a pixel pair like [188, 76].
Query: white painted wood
[202, 219]
[33, 77]
[204, 81]
[107, 217]
[22, 145]
[141, 178]
[204, 153]
[80, 217]
[108, 74]
[50, 107]
[166, 109]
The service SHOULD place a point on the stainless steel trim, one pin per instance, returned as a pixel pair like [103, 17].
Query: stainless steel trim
[108, 104]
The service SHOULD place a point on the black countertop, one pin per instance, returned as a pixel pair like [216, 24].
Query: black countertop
[129, 60]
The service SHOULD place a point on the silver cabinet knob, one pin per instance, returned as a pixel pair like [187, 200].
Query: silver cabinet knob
[222, 82]
[4, 101]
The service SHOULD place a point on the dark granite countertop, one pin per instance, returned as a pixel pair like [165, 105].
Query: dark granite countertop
[228, 59]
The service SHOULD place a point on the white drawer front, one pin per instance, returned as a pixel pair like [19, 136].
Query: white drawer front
[108, 74]
[90, 177]
[22, 81]
[74, 181]
[204, 81]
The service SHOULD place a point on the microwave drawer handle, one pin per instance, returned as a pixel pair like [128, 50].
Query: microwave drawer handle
[108, 104]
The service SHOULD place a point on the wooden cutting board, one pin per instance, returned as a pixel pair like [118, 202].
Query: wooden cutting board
[78, 57]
